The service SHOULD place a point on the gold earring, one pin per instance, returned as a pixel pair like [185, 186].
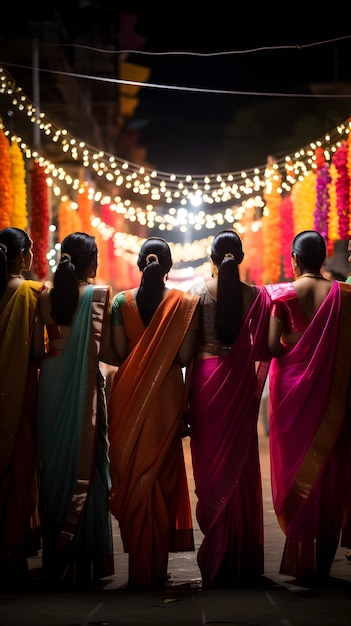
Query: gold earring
[214, 269]
[297, 271]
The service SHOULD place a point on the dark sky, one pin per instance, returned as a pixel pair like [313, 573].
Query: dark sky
[277, 49]
[185, 131]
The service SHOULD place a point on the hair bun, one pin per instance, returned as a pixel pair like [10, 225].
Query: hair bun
[151, 258]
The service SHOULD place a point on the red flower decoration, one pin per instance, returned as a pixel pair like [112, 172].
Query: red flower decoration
[342, 190]
[39, 220]
[6, 191]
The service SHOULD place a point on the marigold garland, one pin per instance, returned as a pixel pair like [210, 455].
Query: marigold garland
[68, 219]
[251, 266]
[19, 215]
[342, 190]
[321, 212]
[39, 220]
[85, 206]
[6, 192]
[303, 196]
[271, 228]
[287, 235]
[320, 201]
[333, 213]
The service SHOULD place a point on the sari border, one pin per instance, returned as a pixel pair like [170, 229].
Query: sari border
[331, 425]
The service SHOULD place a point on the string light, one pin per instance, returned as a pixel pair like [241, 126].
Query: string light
[169, 196]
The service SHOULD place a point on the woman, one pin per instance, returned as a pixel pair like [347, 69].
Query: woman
[310, 417]
[228, 377]
[154, 333]
[21, 343]
[72, 423]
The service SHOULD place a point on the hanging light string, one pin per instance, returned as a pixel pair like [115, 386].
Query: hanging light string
[167, 196]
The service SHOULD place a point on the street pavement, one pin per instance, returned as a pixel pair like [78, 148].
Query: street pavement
[278, 601]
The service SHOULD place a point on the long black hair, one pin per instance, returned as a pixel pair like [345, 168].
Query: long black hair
[310, 247]
[78, 262]
[227, 254]
[12, 242]
[155, 261]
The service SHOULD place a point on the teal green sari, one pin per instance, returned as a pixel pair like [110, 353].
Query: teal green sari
[74, 483]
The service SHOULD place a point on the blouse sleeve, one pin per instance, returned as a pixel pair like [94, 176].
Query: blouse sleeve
[118, 301]
[277, 310]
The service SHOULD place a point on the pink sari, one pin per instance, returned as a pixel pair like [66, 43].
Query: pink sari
[310, 449]
[224, 407]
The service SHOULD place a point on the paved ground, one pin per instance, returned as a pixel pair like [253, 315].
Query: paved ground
[279, 601]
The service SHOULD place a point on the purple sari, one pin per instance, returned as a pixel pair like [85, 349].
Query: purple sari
[309, 440]
[224, 407]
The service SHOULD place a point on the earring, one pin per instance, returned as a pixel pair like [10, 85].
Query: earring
[297, 271]
[214, 270]
[295, 267]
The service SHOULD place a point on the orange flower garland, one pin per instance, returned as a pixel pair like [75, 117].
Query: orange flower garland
[6, 193]
[39, 220]
[342, 191]
[271, 227]
[287, 235]
[321, 211]
[68, 219]
[333, 213]
[19, 215]
[303, 196]
[251, 266]
[85, 206]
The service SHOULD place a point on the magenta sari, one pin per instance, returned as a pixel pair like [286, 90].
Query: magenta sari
[224, 407]
[309, 435]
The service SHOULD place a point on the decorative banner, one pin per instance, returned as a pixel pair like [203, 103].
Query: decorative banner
[39, 220]
[19, 215]
[6, 193]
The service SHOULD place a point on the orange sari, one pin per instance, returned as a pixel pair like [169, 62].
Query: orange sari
[149, 496]
[19, 530]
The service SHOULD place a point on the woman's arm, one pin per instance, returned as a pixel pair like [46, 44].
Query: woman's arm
[275, 346]
[119, 337]
[108, 353]
[188, 348]
[190, 342]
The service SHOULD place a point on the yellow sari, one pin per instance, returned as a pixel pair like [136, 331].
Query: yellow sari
[19, 530]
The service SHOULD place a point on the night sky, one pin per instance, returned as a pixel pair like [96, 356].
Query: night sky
[279, 56]
[185, 131]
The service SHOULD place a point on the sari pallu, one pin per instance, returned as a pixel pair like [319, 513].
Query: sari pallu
[149, 496]
[72, 441]
[309, 447]
[224, 406]
[19, 525]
